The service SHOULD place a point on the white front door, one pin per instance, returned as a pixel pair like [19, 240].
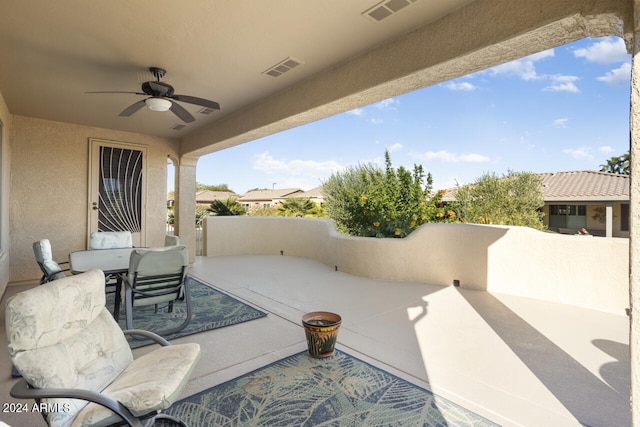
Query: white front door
[117, 188]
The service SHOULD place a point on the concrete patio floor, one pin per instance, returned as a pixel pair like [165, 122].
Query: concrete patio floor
[515, 361]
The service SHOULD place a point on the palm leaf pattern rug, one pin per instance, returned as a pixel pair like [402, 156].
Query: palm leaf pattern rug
[211, 309]
[337, 391]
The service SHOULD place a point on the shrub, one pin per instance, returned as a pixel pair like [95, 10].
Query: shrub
[373, 202]
[513, 199]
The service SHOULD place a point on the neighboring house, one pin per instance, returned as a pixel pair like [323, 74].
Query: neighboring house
[262, 199]
[206, 197]
[597, 201]
[316, 195]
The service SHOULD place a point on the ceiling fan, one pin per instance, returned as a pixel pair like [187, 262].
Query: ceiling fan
[161, 97]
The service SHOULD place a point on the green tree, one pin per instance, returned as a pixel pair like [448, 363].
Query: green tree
[513, 199]
[228, 207]
[619, 165]
[217, 187]
[373, 202]
[296, 206]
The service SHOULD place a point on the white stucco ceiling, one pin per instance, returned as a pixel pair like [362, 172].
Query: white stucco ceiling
[52, 53]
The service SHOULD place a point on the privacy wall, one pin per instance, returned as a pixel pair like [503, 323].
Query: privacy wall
[585, 271]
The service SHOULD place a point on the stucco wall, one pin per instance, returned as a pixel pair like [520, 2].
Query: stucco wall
[590, 272]
[595, 220]
[5, 164]
[49, 188]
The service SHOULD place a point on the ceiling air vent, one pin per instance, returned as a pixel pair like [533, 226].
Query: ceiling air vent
[386, 8]
[206, 111]
[179, 127]
[282, 67]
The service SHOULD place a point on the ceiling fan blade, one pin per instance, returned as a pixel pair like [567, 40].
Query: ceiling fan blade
[197, 101]
[183, 114]
[132, 109]
[116, 91]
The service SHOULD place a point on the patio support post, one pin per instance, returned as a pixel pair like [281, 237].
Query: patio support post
[609, 219]
[185, 208]
[634, 220]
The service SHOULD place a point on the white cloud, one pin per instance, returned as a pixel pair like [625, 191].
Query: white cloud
[607, 51]
[376, 121]
[461, 86]
[265, 162]
[356, 112]
[448, 157]
[579, 153]
[619, 76]
[560, 123]
[395, 147]
[386, 103]
[605, 149]
[562, 83]
[523, 68]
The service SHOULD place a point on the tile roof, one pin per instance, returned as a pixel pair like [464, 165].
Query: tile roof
[208, 196]
[314, 193]
[576, 186]
[584, 186]
[269, 194]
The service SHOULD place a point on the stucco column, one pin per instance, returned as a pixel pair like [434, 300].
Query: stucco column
[634, 222]
[609, 219]
[185, 208]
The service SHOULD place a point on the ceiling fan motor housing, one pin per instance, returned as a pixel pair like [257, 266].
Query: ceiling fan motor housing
[157, 89]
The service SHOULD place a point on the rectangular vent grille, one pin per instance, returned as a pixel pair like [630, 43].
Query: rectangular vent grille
[282, 67]
[206, 111]
[386, 8]
[179, 127]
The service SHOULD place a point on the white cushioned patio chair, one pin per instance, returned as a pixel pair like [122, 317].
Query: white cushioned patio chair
[74, 357]
[110, 240]
[157, 276]
[171, 240]
[51, 269]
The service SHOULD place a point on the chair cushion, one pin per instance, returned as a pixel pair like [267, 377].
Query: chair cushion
[171, 240]
[151, 383]
[154, 262]
[110, 240]
[44, 316]
[66, 325]
[44, 257]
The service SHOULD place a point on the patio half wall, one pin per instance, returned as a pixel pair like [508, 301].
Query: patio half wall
[584, 271]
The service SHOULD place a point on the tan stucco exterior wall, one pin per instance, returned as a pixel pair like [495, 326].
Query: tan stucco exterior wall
[5, 167]
[49, 188]
[583, 271]
[594, 224]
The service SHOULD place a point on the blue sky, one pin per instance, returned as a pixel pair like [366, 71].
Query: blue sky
[562, 109]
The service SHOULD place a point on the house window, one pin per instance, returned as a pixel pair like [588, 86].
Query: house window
[246, 207]
[568, 216]
[624, 217]
[266, 205]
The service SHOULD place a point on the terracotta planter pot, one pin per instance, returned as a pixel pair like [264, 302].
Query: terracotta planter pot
[321, 329]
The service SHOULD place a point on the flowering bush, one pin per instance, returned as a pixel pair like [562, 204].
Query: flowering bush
[371, 202]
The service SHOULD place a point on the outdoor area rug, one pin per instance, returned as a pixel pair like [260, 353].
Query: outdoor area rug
[337, 391]
[211, 309]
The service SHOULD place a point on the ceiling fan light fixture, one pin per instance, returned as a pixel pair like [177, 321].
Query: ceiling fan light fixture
[158, 104]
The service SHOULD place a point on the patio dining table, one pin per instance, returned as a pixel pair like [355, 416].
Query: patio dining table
[113, 262]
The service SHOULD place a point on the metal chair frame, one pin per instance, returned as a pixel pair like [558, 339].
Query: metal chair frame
[144, 287]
